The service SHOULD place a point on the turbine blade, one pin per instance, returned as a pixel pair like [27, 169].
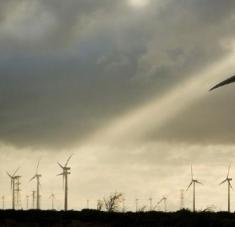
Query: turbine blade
[230, 185]
[222, 182]
[160, 201]
[191, 171]
[198, 182]
[9, 174]
[228, 169]
[60, 165]
[227, 81]
[68, 160]
[37, 166]
[32, 178]
[189, 185]
[15, 171]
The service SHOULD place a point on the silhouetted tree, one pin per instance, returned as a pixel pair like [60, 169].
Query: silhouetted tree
[100, 205]
[113, 201]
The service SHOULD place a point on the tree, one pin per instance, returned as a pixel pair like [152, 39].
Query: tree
[113, 201]
[100, 205]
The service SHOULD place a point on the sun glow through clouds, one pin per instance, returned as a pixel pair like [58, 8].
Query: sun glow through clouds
[138, 3]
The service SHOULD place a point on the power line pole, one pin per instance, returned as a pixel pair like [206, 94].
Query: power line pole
[123, 205]
[150, 204]
[181, 199]
[52, 196]
[136, 205]
[33, 199]
[17, 189]
[87, 204]
[3, 202]
[27, 202]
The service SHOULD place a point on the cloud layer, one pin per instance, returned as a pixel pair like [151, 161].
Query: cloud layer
[67, 69]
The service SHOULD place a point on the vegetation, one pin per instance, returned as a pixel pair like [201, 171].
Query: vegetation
[93, 218]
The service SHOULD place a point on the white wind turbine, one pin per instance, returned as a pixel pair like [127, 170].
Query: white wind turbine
[228, 179]
[193, 182]
[37, 177]
[65, 174]
[13, 179]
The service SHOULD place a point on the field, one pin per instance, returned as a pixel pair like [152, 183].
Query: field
[93, 218]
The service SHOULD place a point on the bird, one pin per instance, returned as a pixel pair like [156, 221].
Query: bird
[225, 82]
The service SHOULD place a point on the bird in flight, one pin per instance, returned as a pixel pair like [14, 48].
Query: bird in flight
[225, 82]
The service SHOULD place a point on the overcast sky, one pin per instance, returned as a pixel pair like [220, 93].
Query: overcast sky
[122, 84]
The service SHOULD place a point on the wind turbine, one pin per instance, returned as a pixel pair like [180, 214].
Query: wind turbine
[37, 177]
[163, 199]
[193, 182]
[65, 174]
[225, 82]
[13, 178]
[228, 179]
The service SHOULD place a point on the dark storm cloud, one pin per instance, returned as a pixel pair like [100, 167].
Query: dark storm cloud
[66, 68]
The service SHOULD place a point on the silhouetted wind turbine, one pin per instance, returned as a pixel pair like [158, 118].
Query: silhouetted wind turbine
[37, 177]
[163, 199]
[13, 178]
[228, 179]
[225, 82]
[65, 174]
[193, 182]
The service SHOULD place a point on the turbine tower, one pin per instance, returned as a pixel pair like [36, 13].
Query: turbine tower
[228, 179]
[37, 177]
[65, 174]
[193, 182]
[13, 179]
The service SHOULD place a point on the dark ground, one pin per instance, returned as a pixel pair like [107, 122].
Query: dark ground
[93, 218]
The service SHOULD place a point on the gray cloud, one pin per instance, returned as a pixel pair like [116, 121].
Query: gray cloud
[68, 68]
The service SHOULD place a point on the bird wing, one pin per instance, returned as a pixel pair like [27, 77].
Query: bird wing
[227, 81]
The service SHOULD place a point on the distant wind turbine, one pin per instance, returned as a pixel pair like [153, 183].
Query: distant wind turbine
[37, 177]
[228, 179]
[13, 179]
[193, 182]
[225, 82]
[65, 174]
[163, 199]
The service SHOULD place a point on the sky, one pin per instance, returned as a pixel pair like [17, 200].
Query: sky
[123, 85]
